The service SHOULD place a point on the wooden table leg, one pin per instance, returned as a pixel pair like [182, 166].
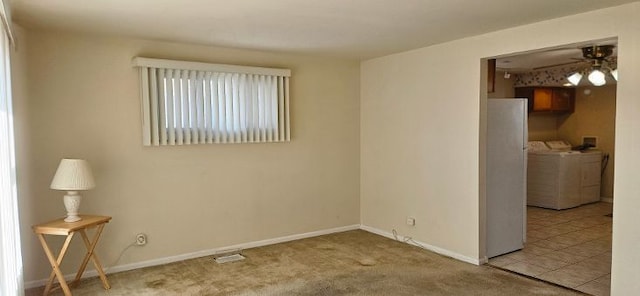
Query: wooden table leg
[55, 264]
[91, 245]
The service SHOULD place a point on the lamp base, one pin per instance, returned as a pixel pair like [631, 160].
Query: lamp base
[72, 204]
[72, 218]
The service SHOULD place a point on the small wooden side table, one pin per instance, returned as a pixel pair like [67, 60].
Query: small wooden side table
[59, 227]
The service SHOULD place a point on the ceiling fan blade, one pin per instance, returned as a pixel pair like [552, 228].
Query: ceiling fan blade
[557, 65]
[561, 49]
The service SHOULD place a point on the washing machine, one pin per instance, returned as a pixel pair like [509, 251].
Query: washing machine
[559, 178]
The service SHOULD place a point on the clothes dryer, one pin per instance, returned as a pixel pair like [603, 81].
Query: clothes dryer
[559, 178]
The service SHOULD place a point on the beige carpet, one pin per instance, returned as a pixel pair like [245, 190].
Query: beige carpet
[348, 263]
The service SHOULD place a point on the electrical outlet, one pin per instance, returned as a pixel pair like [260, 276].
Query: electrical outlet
[141, 239]
[411, 221]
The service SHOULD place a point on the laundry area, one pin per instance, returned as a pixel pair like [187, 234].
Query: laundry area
[561, 178]
[563, 206]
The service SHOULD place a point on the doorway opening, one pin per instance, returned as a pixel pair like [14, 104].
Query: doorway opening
[570, 162]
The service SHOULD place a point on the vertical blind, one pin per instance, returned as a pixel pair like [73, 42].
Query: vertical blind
[11, 281]
[187, 103]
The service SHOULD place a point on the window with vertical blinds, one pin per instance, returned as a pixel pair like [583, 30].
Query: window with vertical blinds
[187, 103]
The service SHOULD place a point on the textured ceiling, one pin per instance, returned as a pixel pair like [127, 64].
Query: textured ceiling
[568, 56]
[358, 29]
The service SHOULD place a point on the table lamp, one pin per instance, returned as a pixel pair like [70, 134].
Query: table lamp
[73, 175]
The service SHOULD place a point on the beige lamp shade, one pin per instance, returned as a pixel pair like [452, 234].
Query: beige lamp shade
[72, 175]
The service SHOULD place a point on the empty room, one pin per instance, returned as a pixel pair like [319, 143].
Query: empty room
[311, 147]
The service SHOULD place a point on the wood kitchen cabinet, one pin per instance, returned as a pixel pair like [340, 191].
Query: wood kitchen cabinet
[548, 99]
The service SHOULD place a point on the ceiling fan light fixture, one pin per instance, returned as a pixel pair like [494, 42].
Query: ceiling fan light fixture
[614, 73]
[575, 78]
[598, 52]
[596, 77]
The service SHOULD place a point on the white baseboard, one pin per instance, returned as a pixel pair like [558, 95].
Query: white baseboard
[209, 252]
[429, 247]
[606, 199]
[255, 244]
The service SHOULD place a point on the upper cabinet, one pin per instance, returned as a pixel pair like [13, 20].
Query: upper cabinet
[548, 99]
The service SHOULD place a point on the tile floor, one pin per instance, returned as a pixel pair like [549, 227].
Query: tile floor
[571, 248]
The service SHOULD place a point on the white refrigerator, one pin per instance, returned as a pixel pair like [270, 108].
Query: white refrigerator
[506, 175]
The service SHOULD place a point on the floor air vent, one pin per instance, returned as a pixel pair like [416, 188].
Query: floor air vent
[228, 258]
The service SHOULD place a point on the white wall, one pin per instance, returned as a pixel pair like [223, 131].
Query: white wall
[82, 100]
[421, 131]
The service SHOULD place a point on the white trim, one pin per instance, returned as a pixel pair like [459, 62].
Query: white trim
[209, 252]
[429, 247]
[606, 199]
[197, 66]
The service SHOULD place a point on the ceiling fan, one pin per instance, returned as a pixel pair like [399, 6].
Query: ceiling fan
[600, 61]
